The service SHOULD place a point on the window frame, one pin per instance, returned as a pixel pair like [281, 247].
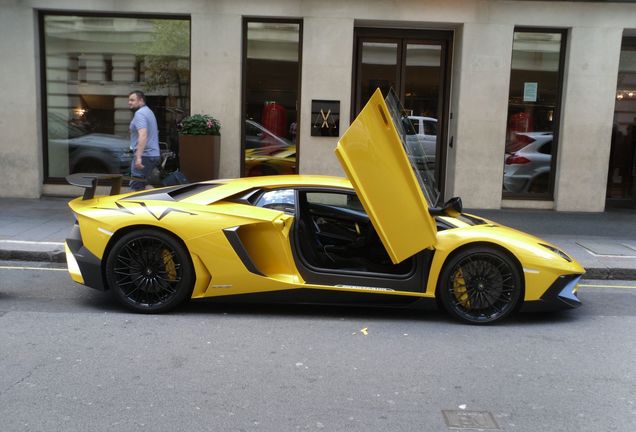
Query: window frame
[445, 39]
[549, 194]
[244, 27]
[41, 15]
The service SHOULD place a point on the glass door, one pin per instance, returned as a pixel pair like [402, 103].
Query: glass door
[416, 64]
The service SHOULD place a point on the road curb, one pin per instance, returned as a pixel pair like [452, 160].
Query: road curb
[55, 255]
[610, 273]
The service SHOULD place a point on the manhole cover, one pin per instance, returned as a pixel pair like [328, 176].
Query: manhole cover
[462, 419]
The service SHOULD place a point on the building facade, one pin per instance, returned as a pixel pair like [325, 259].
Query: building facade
[520, 104]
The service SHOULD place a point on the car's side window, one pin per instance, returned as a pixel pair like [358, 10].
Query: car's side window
[430, 128]
[279, 199]
[335, 199]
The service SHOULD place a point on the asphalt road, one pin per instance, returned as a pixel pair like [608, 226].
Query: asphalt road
[72, 360]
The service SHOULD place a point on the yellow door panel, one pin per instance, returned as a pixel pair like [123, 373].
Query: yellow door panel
[375, 162]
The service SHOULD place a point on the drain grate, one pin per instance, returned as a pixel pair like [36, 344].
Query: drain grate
[462, 419]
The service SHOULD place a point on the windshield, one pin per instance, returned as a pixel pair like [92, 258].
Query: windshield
[421, 162]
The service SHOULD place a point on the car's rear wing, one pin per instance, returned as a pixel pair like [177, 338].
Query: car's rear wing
[90, 181]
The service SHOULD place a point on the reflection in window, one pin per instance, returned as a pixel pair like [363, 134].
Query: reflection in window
[272, 76]
[378, 69]
[280, 199]
[92, 63]
[533, 107]
[621, 177]
[423, 79]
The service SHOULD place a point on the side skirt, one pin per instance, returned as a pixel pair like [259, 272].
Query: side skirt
[327, 297]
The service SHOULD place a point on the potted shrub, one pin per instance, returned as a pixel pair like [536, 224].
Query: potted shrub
[199, 147]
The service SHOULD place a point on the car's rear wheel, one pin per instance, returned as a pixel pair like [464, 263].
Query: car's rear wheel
[539, 184]
[480, 285]
[149, 271]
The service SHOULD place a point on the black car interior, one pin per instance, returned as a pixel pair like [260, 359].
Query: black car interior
[338, 236]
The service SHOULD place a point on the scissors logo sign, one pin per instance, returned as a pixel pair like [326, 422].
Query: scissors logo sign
[325, 118]
[326, 115]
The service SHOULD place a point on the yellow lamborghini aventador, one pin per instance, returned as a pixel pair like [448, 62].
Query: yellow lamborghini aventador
[377, 238]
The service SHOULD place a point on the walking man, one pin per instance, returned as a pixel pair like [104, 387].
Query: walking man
[144, 140]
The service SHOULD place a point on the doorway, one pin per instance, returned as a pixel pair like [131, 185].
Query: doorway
[417, 65]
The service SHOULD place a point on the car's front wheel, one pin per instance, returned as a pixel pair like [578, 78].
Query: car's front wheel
[480, 285]
[149, 271]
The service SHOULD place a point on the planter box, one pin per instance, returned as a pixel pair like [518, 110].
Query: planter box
[199, 156]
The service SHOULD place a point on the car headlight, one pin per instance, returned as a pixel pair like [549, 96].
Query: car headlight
[557, 251]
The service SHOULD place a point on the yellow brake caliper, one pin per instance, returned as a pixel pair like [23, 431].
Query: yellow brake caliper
[460, 290]
[168, 262]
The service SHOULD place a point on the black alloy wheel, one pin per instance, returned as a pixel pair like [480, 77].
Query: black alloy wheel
[480, 285]
[149, 271]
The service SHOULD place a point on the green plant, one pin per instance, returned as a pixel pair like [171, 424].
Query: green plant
[200, 124]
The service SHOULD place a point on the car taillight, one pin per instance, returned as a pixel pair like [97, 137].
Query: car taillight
[518, 143]
[524, 139]
[515, 159]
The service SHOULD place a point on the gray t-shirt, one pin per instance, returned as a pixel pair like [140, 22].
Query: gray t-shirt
[145, 119]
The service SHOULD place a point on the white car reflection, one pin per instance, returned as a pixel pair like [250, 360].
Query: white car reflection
[258, 136]
[422, 140]
[527, 163]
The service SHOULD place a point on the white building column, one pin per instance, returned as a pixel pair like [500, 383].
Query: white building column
[326, 75]
[216, 80]
[20, 130]
[593, 56]
[480, 112]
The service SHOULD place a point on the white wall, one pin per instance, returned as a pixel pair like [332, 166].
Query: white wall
[481, 113]
[216, 80]
[481, 70]
[20, 137]
[326, 74]
[586, 119]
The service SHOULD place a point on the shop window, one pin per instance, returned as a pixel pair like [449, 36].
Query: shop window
[621, 177]
[88, 79]
[534, 104]
[271, 80]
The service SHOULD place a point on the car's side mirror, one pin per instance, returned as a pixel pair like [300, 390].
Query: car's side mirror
[453, 207]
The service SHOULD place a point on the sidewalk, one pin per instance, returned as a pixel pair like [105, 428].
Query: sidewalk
[604, 243]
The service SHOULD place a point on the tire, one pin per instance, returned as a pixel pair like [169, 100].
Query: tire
[539, 184]
[149, 271]
[480, 285]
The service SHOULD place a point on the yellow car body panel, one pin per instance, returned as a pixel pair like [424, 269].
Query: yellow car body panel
[227, 275]
[540, 266]
[368, 150]
[232, 247]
